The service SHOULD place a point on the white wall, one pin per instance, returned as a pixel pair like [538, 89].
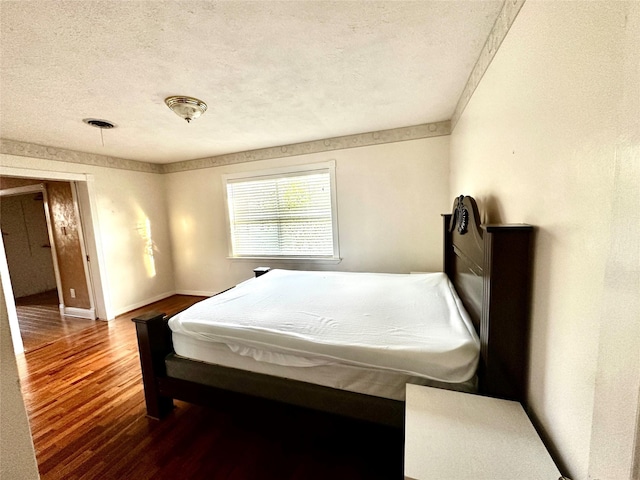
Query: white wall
[17, 456]
[551, 138]
[389, 196]
[124, 201]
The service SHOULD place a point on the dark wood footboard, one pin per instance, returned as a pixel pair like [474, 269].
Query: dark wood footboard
[167, 376]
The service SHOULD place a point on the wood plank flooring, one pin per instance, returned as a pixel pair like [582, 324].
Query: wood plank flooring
[83, 394]
[40, 320]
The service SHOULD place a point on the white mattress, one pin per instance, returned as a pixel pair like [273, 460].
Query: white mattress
[413, 325]
[370, 381]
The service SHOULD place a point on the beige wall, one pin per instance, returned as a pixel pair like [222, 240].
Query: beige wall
[390, 198]
[133, 229]
[17, 457]
[551, 138]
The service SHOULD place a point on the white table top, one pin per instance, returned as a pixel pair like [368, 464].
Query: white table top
[454, 435]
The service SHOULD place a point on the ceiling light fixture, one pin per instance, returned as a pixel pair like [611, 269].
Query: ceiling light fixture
[188, 108]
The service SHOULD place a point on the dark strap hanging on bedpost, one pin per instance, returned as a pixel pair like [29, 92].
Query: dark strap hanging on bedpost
[154, 343]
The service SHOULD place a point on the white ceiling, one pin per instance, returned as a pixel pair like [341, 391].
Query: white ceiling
[273, 73]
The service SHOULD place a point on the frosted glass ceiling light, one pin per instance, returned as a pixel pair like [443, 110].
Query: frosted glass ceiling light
[186, 107]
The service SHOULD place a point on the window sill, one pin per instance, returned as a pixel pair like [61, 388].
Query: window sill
[287, 259]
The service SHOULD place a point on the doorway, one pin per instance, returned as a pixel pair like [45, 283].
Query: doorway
[53, 285]
[27, 244]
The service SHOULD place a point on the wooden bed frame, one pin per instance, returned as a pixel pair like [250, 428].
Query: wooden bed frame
[490, 267]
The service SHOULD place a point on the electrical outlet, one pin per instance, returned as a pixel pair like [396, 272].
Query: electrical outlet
[73, 293]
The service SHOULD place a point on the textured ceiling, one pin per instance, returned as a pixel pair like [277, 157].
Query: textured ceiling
[273, 73]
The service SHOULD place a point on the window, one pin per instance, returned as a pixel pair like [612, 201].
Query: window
[283, 213]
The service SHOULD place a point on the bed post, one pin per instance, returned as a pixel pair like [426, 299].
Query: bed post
[154, 343]
[504, 327]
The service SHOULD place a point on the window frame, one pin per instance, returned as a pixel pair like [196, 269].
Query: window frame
[304, 169]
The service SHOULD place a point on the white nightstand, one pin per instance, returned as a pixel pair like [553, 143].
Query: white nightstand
[453, 435]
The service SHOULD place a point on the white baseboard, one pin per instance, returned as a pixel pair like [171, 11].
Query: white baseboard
[88, 313]
[135, 306]
[196, 293]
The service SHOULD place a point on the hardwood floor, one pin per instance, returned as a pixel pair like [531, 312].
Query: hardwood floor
[83, 394]
[40, 320]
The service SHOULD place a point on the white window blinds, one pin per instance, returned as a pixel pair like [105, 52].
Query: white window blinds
[283, 215]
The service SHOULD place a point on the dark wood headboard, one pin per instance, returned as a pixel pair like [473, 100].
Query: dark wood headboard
[490, 267]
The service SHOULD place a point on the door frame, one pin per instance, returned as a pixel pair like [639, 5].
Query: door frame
[87, 207]
[39, 188]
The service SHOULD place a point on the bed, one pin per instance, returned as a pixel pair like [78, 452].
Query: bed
[347, 343]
